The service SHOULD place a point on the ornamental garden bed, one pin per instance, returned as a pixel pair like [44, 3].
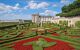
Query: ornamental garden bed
[74, 36]
[55, 34]
[60, 45]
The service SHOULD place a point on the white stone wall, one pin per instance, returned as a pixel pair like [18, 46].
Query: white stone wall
[56, 19]
[71, 21]
[46, 19]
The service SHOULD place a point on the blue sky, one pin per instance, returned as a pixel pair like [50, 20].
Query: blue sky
[23, 9]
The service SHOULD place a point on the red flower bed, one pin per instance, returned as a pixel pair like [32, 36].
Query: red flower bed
[59, 46]
[55, 34]
[75, 36]
[1, 41]
[1, 36]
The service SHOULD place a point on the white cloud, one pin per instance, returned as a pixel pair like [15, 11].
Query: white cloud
[55, 5]
[42, 5]
[16, 6]
[65, 2]
[49, 12]
[8, 8]
[34, 5]
[10, 12]
[3, 7]
[11, 16]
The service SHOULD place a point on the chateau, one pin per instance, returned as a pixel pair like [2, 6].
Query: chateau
[36, 18]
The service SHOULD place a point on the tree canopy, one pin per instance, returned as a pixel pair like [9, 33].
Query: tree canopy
[72, 9]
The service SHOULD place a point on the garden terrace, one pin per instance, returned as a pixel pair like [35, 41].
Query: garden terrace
[58, 46]
[55, 32]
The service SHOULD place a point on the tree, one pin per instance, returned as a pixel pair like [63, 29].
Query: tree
[78, 0]
[65, 9]
[70, 10]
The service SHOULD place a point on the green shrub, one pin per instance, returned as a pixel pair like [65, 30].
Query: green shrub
[6, 48]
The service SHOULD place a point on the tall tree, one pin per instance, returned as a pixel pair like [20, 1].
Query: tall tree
[72, 9]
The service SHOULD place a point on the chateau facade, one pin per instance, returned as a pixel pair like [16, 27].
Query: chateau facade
[36, 18]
